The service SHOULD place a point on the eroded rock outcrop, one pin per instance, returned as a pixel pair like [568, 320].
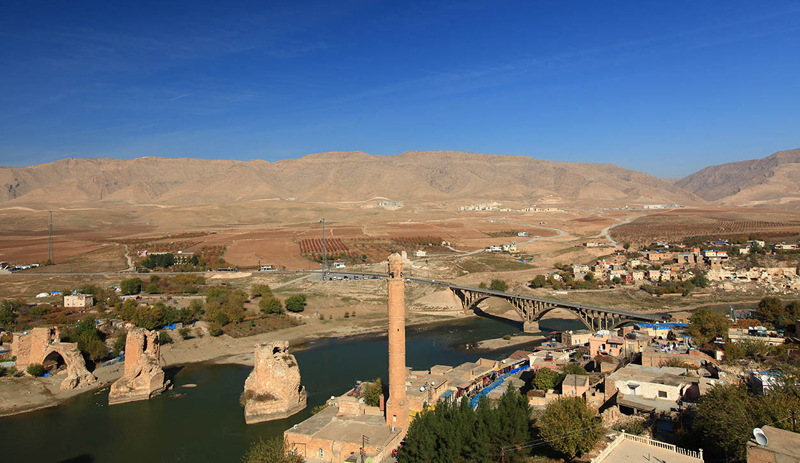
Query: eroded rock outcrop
[273, 390]
[143, 376]
[44, 346]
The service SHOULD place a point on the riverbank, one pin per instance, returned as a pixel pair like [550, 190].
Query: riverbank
[504, 342]
[26, 394]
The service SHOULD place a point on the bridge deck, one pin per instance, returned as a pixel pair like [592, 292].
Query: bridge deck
[563, 304]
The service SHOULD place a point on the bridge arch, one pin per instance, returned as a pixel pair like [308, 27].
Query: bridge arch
[532, 309]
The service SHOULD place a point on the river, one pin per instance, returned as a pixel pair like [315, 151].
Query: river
[206, 422]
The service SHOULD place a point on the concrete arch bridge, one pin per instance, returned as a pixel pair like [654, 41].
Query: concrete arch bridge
[532, 309]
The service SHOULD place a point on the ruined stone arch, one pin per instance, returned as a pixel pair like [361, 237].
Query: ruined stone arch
[43, 345]
[53, 360]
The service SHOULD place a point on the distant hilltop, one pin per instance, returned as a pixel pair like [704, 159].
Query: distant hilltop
[412, 177]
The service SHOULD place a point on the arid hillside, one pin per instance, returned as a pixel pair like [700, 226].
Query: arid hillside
[417, 176]
[774, 180]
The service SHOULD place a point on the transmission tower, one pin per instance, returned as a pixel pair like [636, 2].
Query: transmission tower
[50, 241]
[324, 254]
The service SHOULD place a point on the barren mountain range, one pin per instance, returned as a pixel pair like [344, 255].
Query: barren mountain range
[773, 179]
[416, 176]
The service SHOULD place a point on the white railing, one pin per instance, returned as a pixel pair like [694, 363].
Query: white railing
[647, 441]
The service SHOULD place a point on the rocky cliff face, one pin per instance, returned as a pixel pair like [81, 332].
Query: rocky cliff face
[273, 390]
[143, 376]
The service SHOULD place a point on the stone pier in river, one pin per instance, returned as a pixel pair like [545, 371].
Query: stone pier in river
[272, 390]
[143, 376]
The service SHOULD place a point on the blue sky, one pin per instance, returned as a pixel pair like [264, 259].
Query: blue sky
[662, 87]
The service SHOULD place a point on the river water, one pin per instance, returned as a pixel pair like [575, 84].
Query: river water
[206, 422]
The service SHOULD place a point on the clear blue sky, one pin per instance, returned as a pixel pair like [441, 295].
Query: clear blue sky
[666, 87]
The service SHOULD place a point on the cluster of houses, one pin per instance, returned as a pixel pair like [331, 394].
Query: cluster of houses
[666, 262]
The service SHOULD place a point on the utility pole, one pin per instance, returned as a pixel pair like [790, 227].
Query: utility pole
[324, 254]
[50, 241]
[364, 442]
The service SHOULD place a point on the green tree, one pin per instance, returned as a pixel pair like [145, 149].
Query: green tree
[372, 392]
[89, 339]
[260, 290]
[296, 303]
[626, 245]
[483, 285]
[159, 261]
[224, 305]
[274, 450]
[589, 277]
[705, 325]
[546, 379]
[270, 305]
[570, 426]
[574, 369]
[770, 309]
[118, 345]
[131, 286]
[498, 285]
[725, 419]
[8, 313]
[540, 281]
[700, 279]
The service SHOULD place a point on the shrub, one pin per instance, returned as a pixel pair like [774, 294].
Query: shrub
[185, 333]
[498, 285]
[270, 304]
[347, 315]
[119, 344]
[164, 337]
[319, 408]
[260, 291]
[296, 303]
[35, 369]
[214, 329]
[507, 337]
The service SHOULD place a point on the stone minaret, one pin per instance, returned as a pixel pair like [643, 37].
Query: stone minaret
[397, 406]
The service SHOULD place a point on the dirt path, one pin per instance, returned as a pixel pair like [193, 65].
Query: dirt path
[130, 268]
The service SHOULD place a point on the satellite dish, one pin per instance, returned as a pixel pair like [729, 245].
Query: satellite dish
[761, 438]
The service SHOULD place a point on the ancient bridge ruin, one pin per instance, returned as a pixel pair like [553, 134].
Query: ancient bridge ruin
[43, 346]
[532, 309]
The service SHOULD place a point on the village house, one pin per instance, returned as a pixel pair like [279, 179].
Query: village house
[662, 353]
[604, 343]
[575, 338]
[78, 301]
[647, 389]
[575, 386]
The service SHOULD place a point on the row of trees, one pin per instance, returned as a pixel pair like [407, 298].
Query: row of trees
[269, 304]
[500, 432]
